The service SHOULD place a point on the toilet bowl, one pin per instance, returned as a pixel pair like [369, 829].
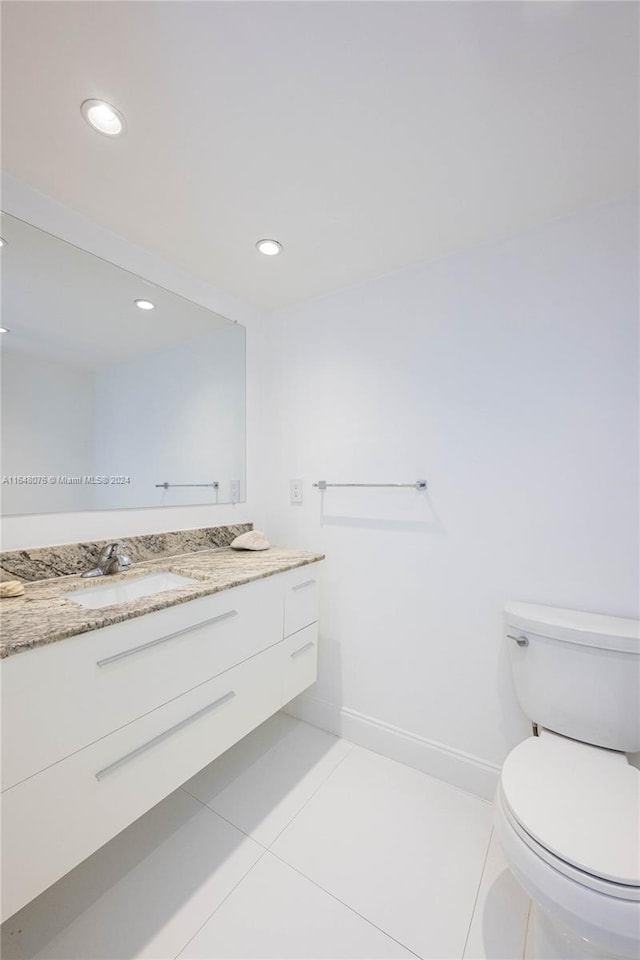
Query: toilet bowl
[566, 815]
[567, 809]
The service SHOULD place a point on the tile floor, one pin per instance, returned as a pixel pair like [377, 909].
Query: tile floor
[294, 844]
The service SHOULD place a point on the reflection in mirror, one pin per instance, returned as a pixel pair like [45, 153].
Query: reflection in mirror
[106, 405]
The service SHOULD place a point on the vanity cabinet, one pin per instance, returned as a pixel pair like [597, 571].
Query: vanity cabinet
[100, 727]
[110, 676]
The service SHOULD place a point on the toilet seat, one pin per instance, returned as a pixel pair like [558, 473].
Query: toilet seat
[618, 890]
[578, 807]
[582, 909]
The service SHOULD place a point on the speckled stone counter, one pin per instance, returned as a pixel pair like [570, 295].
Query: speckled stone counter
[44, 614]
[65, 559]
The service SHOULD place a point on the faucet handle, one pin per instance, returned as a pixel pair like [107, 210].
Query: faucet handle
[114, 553]
[112, 559]
[109, 551]
[123, 560]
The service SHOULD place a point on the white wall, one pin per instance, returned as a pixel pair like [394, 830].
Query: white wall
[38, 529]
[47, 427]
[174, 416]
[507, 377]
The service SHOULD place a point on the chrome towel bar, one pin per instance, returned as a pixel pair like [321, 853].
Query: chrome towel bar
[416, 485]
[165, 485]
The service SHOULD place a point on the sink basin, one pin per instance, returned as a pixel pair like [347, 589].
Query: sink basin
[109, 593]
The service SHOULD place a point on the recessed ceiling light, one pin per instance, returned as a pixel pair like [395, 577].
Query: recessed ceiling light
[144, 305]
[103, 117]
[270, 248]
[5, 330]
[3, 242]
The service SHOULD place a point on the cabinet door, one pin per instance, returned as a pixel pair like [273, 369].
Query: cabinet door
[300, 662]
[301, 599]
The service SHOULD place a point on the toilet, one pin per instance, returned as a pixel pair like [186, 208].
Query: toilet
[567, 808]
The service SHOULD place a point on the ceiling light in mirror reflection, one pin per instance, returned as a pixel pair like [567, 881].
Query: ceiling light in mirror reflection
[60, 300]
[102, 116]
[270, 248]
[131, 397]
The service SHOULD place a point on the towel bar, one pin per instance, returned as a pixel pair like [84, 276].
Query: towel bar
[416, 485]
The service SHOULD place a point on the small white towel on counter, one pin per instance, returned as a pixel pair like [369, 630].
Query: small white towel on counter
[252, 540]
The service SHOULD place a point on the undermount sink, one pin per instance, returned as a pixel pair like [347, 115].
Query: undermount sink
[109, 593]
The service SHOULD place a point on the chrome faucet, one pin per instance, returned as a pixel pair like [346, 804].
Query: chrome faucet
[112, 559]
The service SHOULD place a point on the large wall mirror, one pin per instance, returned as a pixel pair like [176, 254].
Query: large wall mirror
[106, 405]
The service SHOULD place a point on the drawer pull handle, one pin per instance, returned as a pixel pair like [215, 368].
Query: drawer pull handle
[169, 636]
[303, 648]
[299, 586]
[101, 774]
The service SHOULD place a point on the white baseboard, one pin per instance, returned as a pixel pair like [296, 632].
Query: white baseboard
[460, 769]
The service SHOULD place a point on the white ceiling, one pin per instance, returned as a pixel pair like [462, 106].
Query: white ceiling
[365, 136]
[60, 301]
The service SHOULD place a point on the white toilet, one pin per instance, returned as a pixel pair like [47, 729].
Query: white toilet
[567, 810]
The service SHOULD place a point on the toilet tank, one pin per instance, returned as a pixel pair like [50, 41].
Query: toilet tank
[577, 673]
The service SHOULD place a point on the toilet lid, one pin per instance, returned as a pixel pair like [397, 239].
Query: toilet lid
[580, 802]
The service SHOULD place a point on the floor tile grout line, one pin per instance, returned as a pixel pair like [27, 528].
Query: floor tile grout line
[265, 849]
[352, 746]
[432, 776]
[327, 778]
[526, 930]
[263, 755]
[477, 896]
[346, 905]
[268, 849]
[310, 798]
[223, 901]
[230, 822]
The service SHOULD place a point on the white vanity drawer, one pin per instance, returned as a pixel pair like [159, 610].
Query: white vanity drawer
[57, 818]
[300, 666]
[301, 599]
[59, 698]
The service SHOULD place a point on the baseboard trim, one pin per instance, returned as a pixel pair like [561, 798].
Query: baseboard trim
[455, 767]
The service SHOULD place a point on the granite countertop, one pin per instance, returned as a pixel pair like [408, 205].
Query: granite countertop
[44, 615]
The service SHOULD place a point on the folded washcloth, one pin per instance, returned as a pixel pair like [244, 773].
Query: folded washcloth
[253, 540]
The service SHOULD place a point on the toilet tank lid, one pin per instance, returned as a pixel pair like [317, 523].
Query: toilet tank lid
[575, 626]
